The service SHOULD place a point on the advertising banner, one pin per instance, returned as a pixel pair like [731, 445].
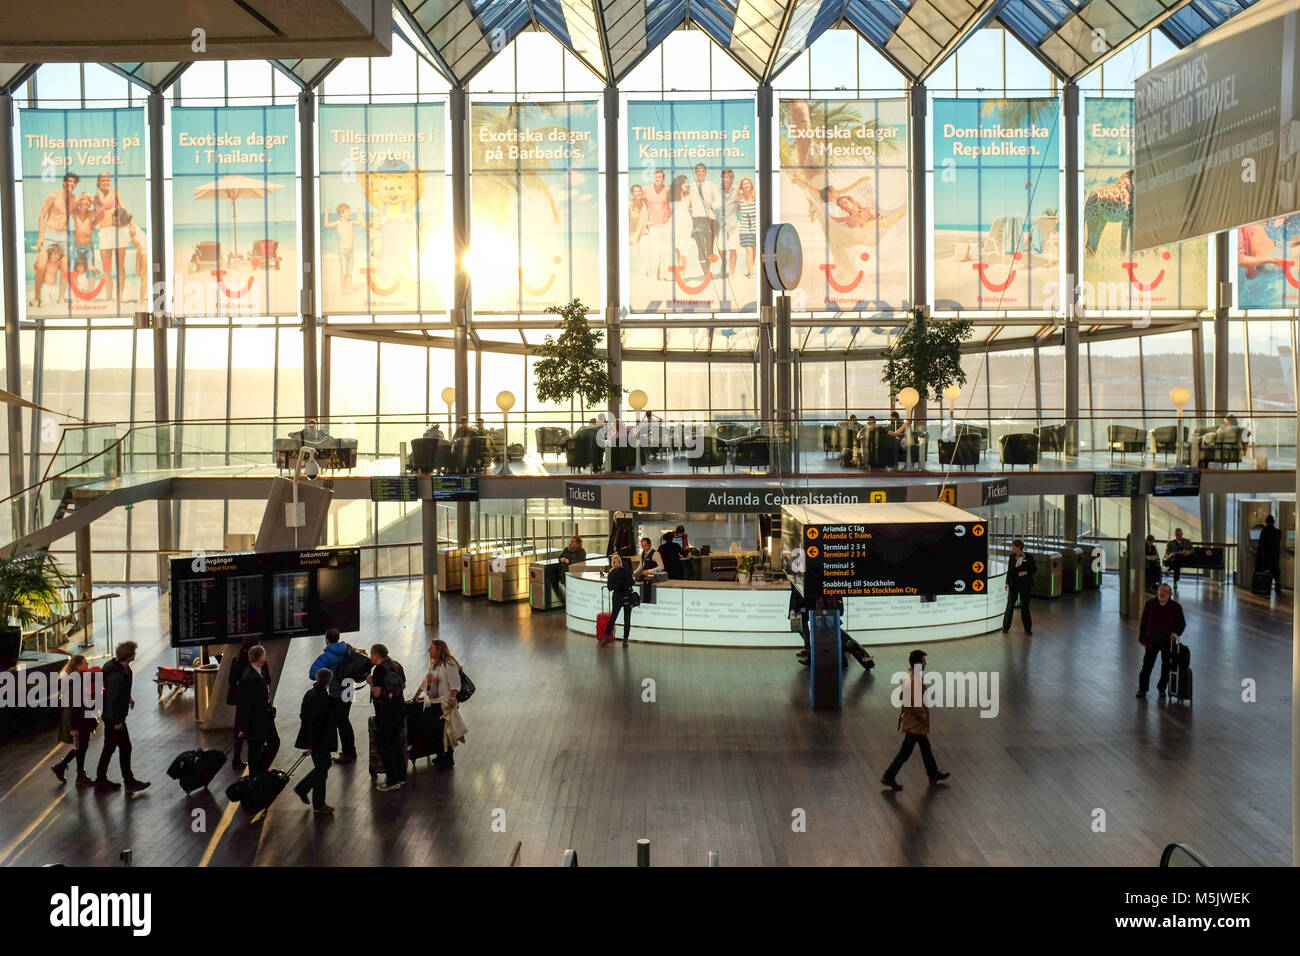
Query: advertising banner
[1268, 264]
[85, 213]
[997, 184]
[692, 206]
[1218, 130]
[385, 245]
[1115, 276]
[535, 205]
[844, 189]
[234, 207]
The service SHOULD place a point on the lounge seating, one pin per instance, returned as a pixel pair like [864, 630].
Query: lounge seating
[712, 454]
[1052, 438]
[330, 452]
[883, 450]
[583, 452]
[732, 431]
[205, 257]
[962, 452]
[1164, 440]
[424, 455]
[1019, 449]
[550, 440]
[1124, 439]
[469, 455]
[836, 439]
[1224, 447]
[753, 451]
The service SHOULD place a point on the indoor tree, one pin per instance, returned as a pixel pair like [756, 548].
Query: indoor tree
[573, 366]
[30, 593]
[926, 356]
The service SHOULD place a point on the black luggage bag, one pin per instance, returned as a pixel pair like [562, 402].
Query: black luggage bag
[1180, 674]
[1261, 583]
[424, 728]
[257, 791]
[194, 769]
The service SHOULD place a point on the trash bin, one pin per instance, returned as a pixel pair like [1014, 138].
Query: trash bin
[205, 685]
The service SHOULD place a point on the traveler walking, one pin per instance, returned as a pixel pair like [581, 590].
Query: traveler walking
[332, 657]
[255, 722]
[1162, 621]
[914, 724]
[233, 695]
[622, 591]
[117, 706]
[387, 693]
[317, 734]
[1268, 554]
[1020, 581]
[74, 726]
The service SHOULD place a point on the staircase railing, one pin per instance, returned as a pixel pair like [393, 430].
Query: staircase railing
[1180, 854]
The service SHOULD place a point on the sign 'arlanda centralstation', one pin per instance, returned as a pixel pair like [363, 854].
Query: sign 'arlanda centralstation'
[903, 549]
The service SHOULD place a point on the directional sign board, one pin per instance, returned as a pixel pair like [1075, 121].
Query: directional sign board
[887, 549]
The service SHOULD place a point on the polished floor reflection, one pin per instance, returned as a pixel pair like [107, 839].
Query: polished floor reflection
[566, 750]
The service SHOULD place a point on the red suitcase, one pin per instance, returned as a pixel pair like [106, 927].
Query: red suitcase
[602, 624]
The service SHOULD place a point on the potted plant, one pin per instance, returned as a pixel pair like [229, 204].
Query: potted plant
[30, 593]
[926, 356]
[744, 568]
[573, 365]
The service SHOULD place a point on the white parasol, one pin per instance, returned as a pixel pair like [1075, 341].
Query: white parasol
[235, 188]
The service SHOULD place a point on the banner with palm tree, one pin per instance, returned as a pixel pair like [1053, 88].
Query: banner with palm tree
[235, 210]
[385, 246]
[997, 190]
[692, 222]
[844, 188]
[85, 207]
[535, 240]
[1115, 276]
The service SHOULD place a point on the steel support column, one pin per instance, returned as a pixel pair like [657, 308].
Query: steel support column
[613, 264]
[786, 461]
[429, 557]
[1222, 302]
[767, 379]
[14, 284]
[462, 304]
[307, 295]
[1137, 534]
[1070, 297]
[163, 307]
[918, 132]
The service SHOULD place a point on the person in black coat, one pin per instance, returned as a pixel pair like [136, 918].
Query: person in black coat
[1020, 581]
[318, 736]
[256, 719]
[233, 695]
[1268, 553]
[117, 705]
[670, 554]
[621, 588]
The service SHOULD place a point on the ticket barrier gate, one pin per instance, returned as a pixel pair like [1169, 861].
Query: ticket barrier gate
[512, 582]
[475, 563]
[449, 568]
[544, 580]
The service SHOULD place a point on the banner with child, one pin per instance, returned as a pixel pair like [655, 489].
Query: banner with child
[85, 212]
[383, 199]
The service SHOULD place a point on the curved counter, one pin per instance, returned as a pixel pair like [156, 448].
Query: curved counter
[727, 614]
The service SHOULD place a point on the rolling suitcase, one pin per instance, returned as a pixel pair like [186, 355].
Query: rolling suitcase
[1180, 675]
[1261, 583]
[256, 792]
[602, 624]
[423, 731]
[194, 769]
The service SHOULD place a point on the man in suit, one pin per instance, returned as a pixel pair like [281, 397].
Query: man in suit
[317, 736]
[117, 705]
[1020, 581]
[256, 720]
[1268, 553]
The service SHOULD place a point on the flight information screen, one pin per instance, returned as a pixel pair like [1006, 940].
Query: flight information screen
[223, 598]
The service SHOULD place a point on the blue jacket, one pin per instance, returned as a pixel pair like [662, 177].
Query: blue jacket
[333, 655]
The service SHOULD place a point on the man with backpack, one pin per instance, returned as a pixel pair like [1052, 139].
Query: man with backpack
[345, 663]
[387, 693]
[1162, 622]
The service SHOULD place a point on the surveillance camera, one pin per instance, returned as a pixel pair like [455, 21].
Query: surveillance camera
[311, 470]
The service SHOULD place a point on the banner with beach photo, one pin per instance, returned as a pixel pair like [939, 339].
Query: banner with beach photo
[1268, 264]
[85, 212]
[1114, 275]
[997, 179]
[693, 243]
[535, 205]
[235, 210]
[844, 189]
[385, 244]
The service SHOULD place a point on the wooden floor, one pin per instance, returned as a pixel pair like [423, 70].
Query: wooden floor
[561, 741]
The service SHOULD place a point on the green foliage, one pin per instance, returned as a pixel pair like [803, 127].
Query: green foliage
[574, 366]
[30, 588]
[927, 356]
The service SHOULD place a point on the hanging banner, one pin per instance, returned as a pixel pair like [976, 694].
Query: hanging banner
[1268, 264]
[997, 180]
[1114, 275]
[535, 205]
[844, 189]
[1218, 129]
[85, 212]
[385, 244]
[692, 206]
[234, 208]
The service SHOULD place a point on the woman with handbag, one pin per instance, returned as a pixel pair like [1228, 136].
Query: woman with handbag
[623, 597]
[442, 686]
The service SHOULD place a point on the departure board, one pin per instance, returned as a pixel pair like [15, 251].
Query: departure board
[224, 598]
[402, 488]
[455, 487]
[1180, 483]
[1116, 484]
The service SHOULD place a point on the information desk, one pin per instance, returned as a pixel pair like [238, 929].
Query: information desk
[727, 614]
